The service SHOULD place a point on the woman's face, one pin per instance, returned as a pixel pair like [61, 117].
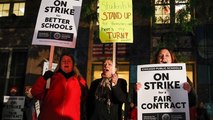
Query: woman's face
[107, 68]
[66, 64]
[164, 56]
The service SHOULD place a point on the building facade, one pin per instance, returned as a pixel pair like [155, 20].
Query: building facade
[154, 26]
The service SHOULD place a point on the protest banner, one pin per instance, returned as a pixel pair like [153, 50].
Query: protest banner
[13, 107]
[57, 23]
[162, 96]
[115, 21]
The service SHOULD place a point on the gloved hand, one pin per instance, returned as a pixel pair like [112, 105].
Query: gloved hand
[48, 74]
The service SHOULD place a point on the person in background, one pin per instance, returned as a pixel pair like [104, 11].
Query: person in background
[132, 112]
[164, 56]
[13, 91]
[202, 113]
[107, 95]
[29, 107]
[66, 97]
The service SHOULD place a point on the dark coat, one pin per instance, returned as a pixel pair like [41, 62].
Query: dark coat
[97, 110]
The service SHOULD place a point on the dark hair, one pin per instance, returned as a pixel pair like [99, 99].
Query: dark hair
[75, 69]
[174, 60]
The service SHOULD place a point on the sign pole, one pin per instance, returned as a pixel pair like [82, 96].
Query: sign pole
[50, 64]
[114, 58]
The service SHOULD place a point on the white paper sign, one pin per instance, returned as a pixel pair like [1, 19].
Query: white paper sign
[13, 107]
[57, 23]
[46, 66]
[162, 96]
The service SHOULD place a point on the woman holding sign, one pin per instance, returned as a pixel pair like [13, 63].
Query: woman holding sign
[65, 98]
[164, 56]
[106, 95]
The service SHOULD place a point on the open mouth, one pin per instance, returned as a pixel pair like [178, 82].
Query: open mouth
[164, 62]
[106, 70]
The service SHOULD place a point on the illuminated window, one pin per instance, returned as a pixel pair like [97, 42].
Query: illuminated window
[8, 8]
[4, 9]
[18, 9]
[164, 9]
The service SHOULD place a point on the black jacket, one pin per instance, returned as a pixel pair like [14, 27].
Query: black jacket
[97, 110]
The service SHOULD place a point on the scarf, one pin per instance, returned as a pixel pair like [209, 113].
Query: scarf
[103, 92]
[66, 75]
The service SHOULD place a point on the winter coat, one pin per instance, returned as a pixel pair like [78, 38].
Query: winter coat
[97, 110]
[132, 114]
[63, 100]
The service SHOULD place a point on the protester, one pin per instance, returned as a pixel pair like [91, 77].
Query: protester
[65, 98]
[13, 91]
[164, 56]
[132, 112]
[29, 107]
[106, 95]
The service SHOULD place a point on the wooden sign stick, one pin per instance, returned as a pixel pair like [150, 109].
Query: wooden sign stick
[50, 65]
[114, 58]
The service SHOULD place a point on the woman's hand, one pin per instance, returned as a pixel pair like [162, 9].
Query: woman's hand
[28, 92]
[114, 79]
[138, 86]
[187, 87]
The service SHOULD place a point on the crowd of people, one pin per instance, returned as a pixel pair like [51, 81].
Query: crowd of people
[69, 98]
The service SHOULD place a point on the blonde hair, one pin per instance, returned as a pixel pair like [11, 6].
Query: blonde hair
[109, 58]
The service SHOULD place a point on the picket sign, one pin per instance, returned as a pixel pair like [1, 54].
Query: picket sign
[53, 36]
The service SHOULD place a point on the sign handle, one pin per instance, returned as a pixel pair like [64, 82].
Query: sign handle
[114, 57]
[50, 65]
